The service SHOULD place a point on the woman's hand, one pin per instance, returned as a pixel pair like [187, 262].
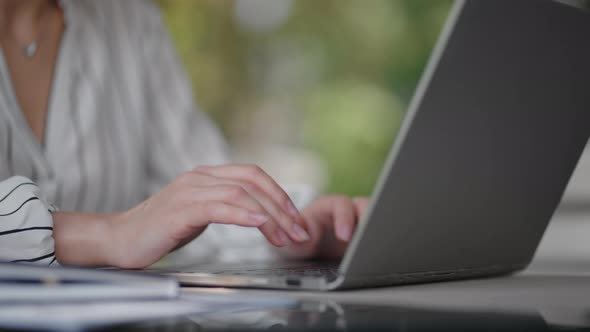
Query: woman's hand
[330, 221]
[241, 195]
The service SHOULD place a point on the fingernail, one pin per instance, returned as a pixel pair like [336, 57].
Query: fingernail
[343, 232]
[292, 209]
[300, 233]
[260, 219]
[283, 238]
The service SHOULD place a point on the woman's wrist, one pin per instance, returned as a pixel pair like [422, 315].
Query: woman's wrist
[84, 239]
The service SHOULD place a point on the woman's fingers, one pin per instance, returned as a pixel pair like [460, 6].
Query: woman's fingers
[284, 228]
[281, 230]
[207, 187]
[361, 204]
[222, 213]
[345, 218]
[256, 176]
[337, 214]
[234, 194]
[228, 194]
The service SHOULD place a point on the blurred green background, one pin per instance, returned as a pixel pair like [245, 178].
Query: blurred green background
[313, 90]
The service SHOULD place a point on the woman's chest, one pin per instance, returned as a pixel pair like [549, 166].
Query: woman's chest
[94, 153]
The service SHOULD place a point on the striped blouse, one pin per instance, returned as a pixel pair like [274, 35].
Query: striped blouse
[121, 124]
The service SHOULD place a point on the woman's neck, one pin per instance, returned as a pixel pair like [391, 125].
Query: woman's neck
[19, 19]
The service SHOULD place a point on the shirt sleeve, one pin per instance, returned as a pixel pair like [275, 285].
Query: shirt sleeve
[26, 223]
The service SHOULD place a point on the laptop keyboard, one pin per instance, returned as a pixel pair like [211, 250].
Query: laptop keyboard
[329, 272]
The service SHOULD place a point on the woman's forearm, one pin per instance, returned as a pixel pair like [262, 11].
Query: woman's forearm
[83, 239]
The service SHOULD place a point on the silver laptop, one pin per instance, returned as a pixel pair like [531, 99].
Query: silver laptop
[491, 138]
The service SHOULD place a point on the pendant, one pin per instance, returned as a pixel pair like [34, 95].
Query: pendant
[30, 50]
